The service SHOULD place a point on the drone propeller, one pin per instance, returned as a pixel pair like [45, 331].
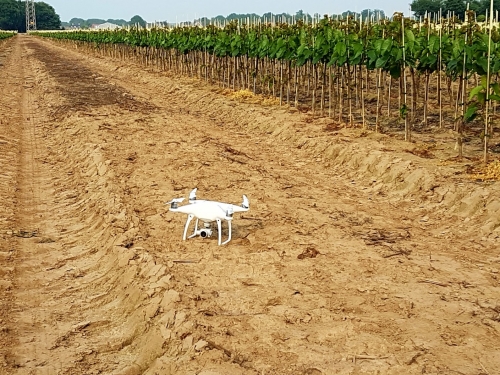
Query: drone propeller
[245, 203]
[192, 195]
[174, 202]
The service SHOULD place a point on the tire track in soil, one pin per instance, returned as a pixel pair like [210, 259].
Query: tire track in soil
[26, 336]
[48, 329]
[82, 88]
[10, 117]
[42, 315]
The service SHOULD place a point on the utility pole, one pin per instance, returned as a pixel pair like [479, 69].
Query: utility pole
[30, 16]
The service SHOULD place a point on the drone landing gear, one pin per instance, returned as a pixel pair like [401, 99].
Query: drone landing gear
[206, 231]
[220, 231]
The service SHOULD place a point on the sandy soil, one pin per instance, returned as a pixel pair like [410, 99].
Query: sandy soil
[356, 257]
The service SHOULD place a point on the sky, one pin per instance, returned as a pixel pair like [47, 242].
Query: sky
[184, 10]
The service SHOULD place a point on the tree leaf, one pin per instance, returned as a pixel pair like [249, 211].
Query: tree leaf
[484, 81]
[496, 88]
[410, 37]
[476, 90]
[381, 62]
[481, 97]
[340, 49]
[471, 113]
[386, 45]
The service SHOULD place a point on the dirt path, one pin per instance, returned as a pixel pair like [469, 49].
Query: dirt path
[10, 94]
[330, 272]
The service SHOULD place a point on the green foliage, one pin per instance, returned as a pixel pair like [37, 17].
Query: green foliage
[46, 17]
[6, 34]
[458, 7]
[137, 20]
[483, 6]
[403, 111]
[421, 7]
[282, 17]
[13, 16]
[479, 95]
[10, 15]
[331, 42]
[81, 23]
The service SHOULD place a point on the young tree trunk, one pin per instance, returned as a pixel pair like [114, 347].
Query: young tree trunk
[330, 99]
[234, 73]
[308, 75]
[273, 73]
[341, 95]
[256, 72]
[389, 98]
[414, 94]
[323, 85]
[349, 94]
[379, 108]
[281, 82]
[457, 102]
[296, 102]
[288, 79]
[315, 81]
[426, 96]
[363, 115]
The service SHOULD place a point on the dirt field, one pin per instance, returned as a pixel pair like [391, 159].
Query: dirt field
[356, 257]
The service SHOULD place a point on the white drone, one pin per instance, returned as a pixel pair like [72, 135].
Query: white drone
[208, 212]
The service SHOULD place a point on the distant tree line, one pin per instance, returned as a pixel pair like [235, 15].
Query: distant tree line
[281, 17]
[13, 16]
[458, 7]
[85, 24]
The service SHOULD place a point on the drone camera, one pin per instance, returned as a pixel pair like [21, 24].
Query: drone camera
[205, 233]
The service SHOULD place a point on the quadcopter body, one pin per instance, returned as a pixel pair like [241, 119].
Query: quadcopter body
[208, 212]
